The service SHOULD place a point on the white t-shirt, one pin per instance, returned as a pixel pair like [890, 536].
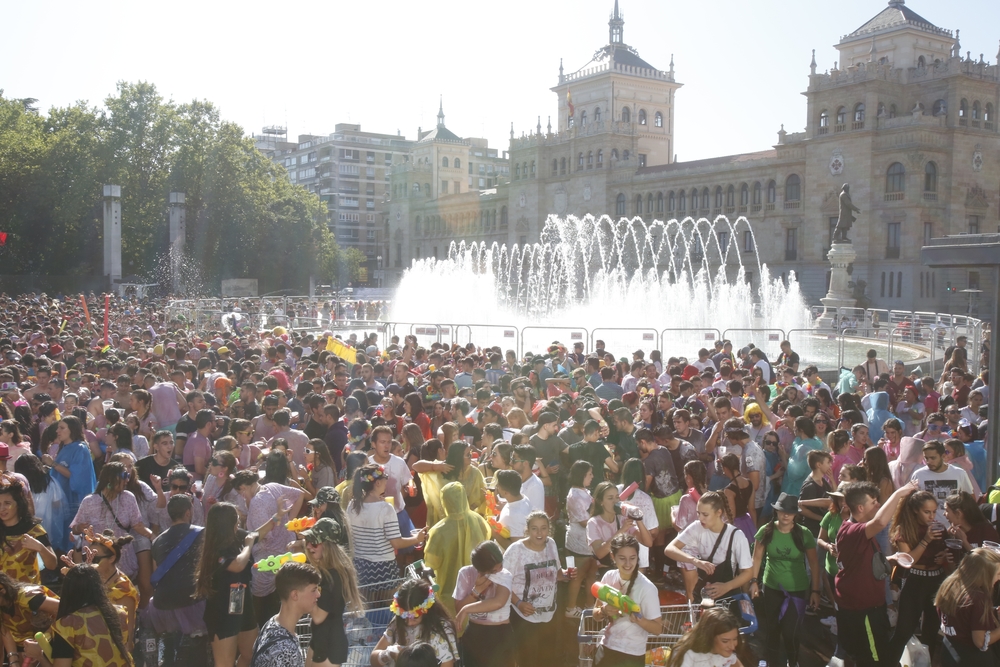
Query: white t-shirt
[578, 503]
[702, 365]
[533, 489]
[535, 574]
[467, 580]
[642, 500]
[692, 659]
[703, 540]
[399, 476]
[623, 635]
[514, 516]
[942, 484]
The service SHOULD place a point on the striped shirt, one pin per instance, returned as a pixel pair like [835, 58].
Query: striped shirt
[372, 529]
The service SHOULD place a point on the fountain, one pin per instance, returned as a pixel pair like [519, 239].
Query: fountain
[601, 275]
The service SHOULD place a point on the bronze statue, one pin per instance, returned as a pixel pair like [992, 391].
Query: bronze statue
[846, 219]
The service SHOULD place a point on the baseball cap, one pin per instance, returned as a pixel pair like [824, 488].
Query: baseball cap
[326, 494]
[325, 530]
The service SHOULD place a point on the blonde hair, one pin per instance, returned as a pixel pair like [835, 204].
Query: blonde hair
[975, 574]
[335, 558]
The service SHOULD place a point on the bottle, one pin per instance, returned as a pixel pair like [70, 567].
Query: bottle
[762, 663]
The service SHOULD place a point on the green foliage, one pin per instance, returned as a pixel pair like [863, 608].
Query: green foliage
[244, 218]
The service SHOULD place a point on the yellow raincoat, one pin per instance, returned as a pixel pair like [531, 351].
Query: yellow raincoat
[472, 481]
[451, 541]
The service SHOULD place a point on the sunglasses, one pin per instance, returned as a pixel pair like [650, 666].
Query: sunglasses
[934, 427]
[179, 487]
[771, 442]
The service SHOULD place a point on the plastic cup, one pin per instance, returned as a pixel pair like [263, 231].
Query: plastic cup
[991, 545]
[107, 405]
[904, 559]
[570, 566]
[956, 549]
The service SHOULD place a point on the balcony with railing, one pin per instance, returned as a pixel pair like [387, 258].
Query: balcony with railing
[840, 127]
[930, 196]
[755, 208]
[894, 196]
[858, 125]
[789, 205]
[769, 206]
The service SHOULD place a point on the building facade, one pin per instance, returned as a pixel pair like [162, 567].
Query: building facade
[349, 170]
[904, 117]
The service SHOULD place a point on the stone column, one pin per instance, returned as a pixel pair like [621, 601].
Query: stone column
[113, 234]
[178, 236]
[841, 256]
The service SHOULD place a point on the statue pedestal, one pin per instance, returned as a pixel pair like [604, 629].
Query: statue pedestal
[841, 256]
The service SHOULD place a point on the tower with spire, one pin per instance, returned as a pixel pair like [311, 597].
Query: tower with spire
[616, 27]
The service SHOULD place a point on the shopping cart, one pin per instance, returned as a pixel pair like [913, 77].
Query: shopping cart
[676, 620]
[417, 570]
[363, 629]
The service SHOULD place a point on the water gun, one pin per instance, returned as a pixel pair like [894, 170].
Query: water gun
[298, 525]
[614, 597]
[491, 504]
[43, 642]
[501, 530]
[274, 563]
[628, 491]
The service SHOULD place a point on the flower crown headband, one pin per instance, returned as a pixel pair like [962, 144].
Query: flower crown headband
[417, 611]
[375, 475]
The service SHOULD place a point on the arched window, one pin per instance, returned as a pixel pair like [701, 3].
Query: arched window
[671, 202]
[444, 162]
[792, 188]
[524, 169]
[419, 226]
[940, 108]
[730, 196]
[600, 158]
[620, 204]
[626, 115]
[704, 198]
[590, 159]
[555, 167]
[659, 202]
[975, 110]
[895, 178]
[921, 63]
[642, 116]
[427, 189]
[841, 116]
[772, 192]
[824, 118]
[416, 188]
[963, 110]
[614, 154]
[532, 168]
[503, 216]
[649, 203]
[744, 194]
[859, 112]
[682, 201]
[562, 166]
[517, 171]
[881, 110]
[930, 177]
[625, 154]
[458, 163]
[658, 119]
[892, 111]
[694, 199]
[988, 114]
[579, 161]
[718, 196]
[583, 118]
[756, 193]
[597, 115]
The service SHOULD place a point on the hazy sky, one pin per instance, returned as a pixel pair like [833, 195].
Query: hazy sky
[310, 65]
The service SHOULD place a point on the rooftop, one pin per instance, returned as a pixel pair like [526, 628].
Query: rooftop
[897, 14]
[707, 162]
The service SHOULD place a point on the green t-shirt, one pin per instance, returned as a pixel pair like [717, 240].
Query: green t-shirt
[786, 565]
[831, 522]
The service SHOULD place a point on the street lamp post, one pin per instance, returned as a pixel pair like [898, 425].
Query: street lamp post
[378, 275]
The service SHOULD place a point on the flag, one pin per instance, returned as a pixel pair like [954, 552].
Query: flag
[348, 354]
[3, 238]
[569, 102]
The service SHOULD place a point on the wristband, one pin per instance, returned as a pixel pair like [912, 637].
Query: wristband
[753, 580]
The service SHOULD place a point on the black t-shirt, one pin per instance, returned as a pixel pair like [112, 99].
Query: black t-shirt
[331, 600]
[175, 589]
[593, 453]
[315, 429]
[810, 491]
[147, 466]
[186, 425]
[222, 578]
[550, 449]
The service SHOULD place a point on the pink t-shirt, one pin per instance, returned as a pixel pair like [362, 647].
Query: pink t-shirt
[165, 408]
[198, 446]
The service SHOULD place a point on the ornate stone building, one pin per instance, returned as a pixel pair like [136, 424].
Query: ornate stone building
[904, 116]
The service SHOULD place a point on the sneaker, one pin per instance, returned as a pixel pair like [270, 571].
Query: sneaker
[573, 612]
[893, 615]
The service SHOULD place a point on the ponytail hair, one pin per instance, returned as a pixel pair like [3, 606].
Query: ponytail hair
[717, 502]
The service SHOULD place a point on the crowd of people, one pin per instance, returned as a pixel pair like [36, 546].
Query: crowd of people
[151, 476]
